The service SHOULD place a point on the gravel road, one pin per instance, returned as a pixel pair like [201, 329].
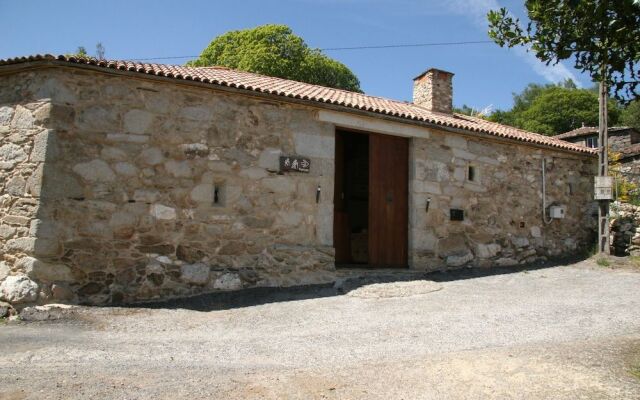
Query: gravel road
[565, 332]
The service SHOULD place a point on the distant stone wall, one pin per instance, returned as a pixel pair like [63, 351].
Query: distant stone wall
[619, 140]
[502, 204]
[625, 229]
[630, 169]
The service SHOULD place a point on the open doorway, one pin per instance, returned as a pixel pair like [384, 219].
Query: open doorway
[352, 198]
[371, 200]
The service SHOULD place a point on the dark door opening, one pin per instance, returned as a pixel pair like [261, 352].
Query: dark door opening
[351, 227]
[371, 199]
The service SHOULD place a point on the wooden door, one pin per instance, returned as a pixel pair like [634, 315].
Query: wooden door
[388, 200]
[341, 240]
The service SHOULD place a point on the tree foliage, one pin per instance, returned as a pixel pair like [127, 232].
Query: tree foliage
[81, 51]
[631, 115]
[473, 112]
[625, 190]
[601, 35]
[553, 109]
[275, 50]
[100, 51]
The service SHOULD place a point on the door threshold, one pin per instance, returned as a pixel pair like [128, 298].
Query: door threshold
[368, 267]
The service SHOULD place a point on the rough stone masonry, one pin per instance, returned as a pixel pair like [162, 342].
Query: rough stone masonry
[117, 189]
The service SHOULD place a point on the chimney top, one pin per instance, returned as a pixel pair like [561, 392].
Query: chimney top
[433, 90]
[439, 71]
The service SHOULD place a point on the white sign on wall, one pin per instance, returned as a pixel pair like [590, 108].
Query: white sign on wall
[603, 188]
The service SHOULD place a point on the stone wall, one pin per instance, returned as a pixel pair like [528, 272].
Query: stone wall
[23, 140]
[618, 139]
[625, 229]
[620, 142]
[118, 189]
[502, 205]
[155, 190]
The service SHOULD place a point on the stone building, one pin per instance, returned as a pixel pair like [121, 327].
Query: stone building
[623, 140]
[124, 182]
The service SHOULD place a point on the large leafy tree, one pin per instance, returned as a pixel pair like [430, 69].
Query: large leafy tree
[553, 109]
[631, 115]
[275, 50]
[600, 35]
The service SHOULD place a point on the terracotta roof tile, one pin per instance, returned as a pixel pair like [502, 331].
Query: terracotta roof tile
[588, 130]
[299, 90]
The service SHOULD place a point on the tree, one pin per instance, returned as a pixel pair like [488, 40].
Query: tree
[631, 115]
[465, 109]
[472, 112]
[100, 51]
[80, 52]
[602, 36]
[625, 190]
[553, 109]
[275, 50]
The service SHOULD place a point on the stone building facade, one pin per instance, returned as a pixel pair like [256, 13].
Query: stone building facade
[624, 142]
[117, 186]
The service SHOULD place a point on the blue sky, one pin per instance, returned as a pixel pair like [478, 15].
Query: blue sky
[485, 74]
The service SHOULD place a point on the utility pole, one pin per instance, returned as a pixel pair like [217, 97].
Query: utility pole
[603, 170]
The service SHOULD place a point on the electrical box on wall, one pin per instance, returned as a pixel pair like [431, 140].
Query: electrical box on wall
[556, 212]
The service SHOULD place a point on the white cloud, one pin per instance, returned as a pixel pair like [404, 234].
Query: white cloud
[553, 73]
[477, 11]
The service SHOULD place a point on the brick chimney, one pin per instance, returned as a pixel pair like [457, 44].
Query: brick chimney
[433, 90]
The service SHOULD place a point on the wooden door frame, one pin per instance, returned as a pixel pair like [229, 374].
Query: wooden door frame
[341, 130]
[389, 201]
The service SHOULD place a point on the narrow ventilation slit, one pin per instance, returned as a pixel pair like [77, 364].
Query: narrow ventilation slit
[219, 198]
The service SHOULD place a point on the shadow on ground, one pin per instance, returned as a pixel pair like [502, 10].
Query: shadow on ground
[351, 280]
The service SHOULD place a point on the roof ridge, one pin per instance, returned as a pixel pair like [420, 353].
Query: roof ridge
[305, 83]
[288, 88]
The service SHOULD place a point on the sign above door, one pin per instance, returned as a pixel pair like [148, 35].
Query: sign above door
[294, 164]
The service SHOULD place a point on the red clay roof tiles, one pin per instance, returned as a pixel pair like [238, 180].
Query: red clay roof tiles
[588, 130]
[299, 90]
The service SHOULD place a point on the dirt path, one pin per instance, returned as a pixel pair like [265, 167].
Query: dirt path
[559, 333]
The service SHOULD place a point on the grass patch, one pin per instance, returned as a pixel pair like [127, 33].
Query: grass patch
[635, 371]
[634, 261]
[603, 262]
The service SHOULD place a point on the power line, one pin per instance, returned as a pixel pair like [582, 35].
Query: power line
[162, 58]
[389, 46]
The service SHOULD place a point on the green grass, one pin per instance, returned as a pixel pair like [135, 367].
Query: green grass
[591, 250]
[635, 371]
[634, 261]
[603, 262]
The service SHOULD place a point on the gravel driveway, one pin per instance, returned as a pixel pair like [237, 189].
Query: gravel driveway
[565, 332]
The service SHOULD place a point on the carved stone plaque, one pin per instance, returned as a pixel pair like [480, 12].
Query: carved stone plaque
[294, 163]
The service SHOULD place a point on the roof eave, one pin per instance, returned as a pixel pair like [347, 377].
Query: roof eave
[35, 63]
